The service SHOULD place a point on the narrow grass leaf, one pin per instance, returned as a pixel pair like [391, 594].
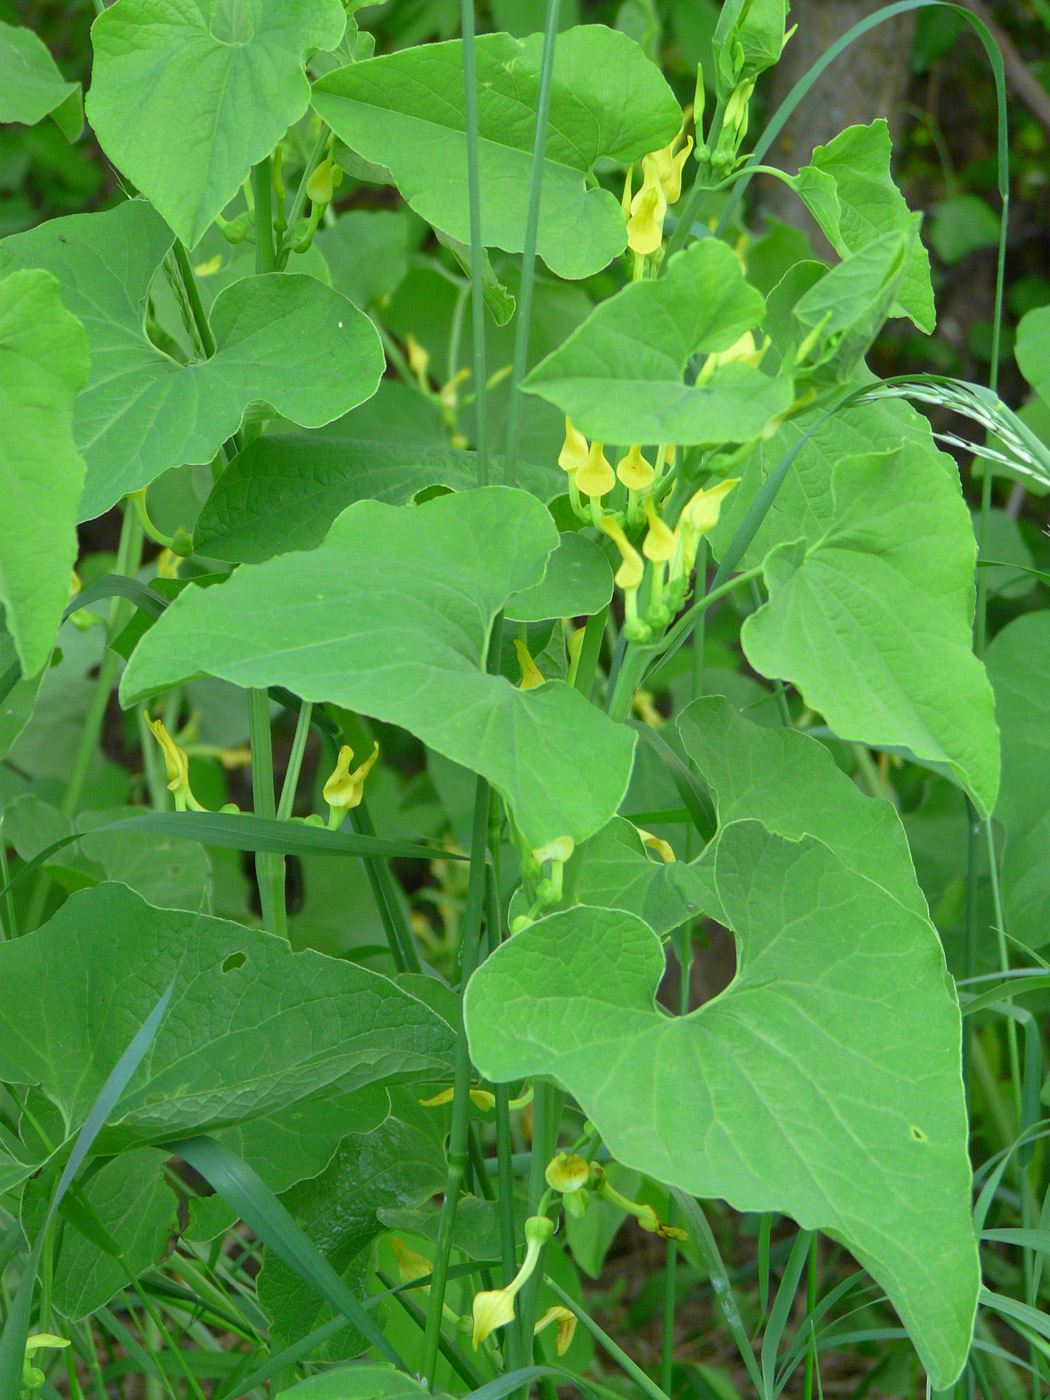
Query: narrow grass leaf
[262, 1212]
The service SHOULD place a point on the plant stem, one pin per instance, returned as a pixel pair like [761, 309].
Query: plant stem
[269, 865]
[8, 923]
[528, 256]
[385, 891]
[457, 1143]
[299, 200]
[193, 296]
[295, 762]
[670, 1285]
[607, 1344]
[262, 189]
[477, 247]
[129, 552]
[590, 651]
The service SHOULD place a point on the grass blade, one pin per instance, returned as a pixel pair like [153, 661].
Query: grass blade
[16, 1326]
[243, 832]
[262, 1212]
[528, 256]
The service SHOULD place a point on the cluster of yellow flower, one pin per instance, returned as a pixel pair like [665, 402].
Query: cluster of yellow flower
[575, 1180]
[661, 186]
[671, 553]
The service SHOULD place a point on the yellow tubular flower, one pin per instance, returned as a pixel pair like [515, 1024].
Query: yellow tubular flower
[595, 478]
[659, 543]
[410, 1265]
[659, 845]
[704, 506]
[495, 1308]
[344, 790]
[567, 1174]
[669, 165]
[573, 454]
[645, 227]
[566, 1321]
[631, 571]
[531, 675]
[480, 1098]
[560, 849]
[643, 706]
[321, 183]
[634, 471]
[448, 394]
[176, 767]
[645, 1215]
[418, 361]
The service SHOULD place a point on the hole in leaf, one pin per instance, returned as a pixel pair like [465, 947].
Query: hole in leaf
[234, 961]
[917, 1134]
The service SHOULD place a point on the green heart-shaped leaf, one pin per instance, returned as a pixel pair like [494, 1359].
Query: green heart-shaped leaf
[392, 617]
[405, 111]
[825, 1082]
[619, 376]
[187, 95]
[872, 621]
[287, 341]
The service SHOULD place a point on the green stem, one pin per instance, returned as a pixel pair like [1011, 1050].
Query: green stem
[670, 1286]
[399, 933]
[299, 200]
[455, 1358]
[262, 188]
[811, 1303]
[590, 651]
[269, 865]
[8, 924]
[295, 761]
[477, 247]
[193, 296]
[129, 552]
[607, 1344]
[546, 1117]
[528, 256]
[457, 1142]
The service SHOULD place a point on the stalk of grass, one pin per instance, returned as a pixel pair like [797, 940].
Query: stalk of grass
[477, 247]
[528, 257]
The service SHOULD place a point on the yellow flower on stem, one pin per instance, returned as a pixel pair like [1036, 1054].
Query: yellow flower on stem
[630, 573]
[571, 458]
[176, 766]
[495, 1308]
[410, 1265]
[634, 471]
[595, 478]
[659, 845]
[645, 1215]
[669, 163]
[700, 516]
[645, 227]
[566, 1323]
[628, 577]
[659, 543]
[567, 1173]
[418, 361]
[344, 790]
[531, 675]
[480, 1098]
[573, 454]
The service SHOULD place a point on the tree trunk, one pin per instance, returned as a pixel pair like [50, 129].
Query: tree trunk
[868, 80]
